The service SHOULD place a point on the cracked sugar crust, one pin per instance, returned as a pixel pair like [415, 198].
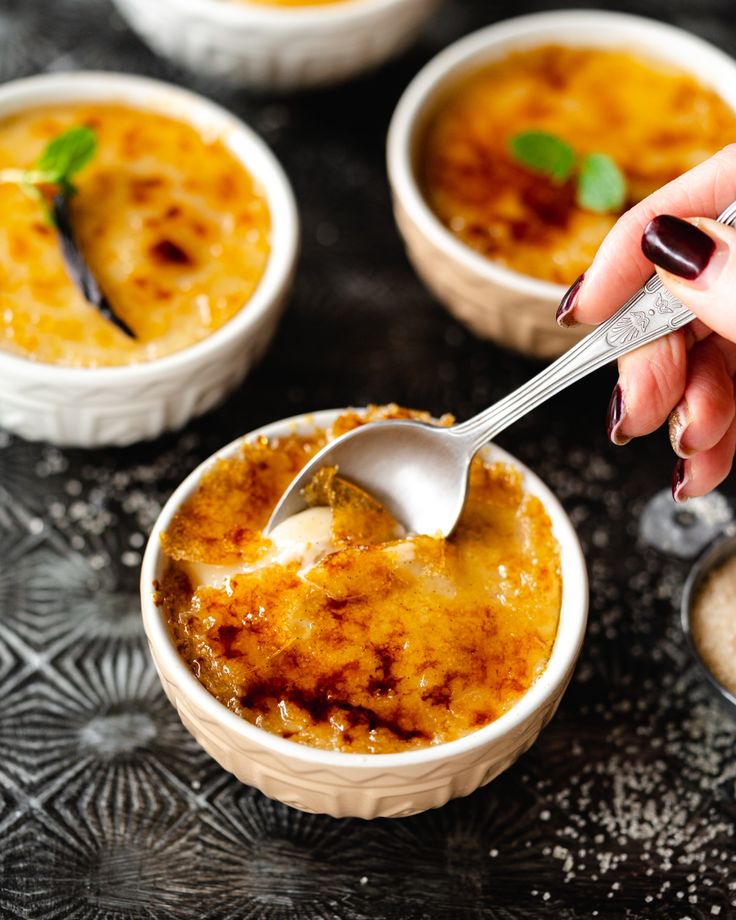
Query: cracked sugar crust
[384, 644]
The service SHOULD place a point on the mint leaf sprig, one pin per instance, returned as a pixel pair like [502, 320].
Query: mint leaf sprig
[50, 182]
[62, 158]
[600, 184]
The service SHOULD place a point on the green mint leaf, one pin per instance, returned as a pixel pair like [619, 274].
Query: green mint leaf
[544, 153]
[66, 154]
[601, 184]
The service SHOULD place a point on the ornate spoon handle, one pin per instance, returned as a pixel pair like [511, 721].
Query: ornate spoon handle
[650, 314]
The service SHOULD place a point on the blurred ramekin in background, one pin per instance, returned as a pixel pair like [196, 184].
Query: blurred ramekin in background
[274, 47]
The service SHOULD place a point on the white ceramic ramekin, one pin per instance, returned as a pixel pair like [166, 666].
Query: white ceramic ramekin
[92, 407]
[497, 302]
[365, 785]
[272, 47]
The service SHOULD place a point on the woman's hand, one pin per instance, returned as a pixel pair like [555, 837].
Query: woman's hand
[687, 376]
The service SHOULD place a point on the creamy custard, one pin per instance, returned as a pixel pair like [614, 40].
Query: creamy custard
[173, 226]
[342, 632]
[655, 121]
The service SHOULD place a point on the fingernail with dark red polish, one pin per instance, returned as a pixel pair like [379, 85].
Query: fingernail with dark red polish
[616, 416]
[679, 479]
[564, 315]
[677, 246]
[678, 424]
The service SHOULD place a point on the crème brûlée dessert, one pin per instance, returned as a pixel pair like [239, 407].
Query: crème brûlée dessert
[652, 119]
[171, 223]
[341, 631]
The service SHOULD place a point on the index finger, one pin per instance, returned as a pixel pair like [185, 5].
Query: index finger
[620, 268]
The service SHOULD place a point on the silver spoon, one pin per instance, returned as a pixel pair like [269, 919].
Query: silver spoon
[419, 472]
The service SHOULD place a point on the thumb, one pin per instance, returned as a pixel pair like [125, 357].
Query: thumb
[696, 260]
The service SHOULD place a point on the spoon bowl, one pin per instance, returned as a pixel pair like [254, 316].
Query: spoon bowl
[417, 471]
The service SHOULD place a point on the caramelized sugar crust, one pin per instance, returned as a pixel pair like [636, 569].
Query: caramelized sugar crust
[655, 121]
[381, 646]
[173, 226]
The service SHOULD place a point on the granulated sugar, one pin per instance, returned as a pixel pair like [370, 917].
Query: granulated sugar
[714, 623]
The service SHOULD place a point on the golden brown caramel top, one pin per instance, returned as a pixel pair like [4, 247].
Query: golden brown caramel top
[173, 226]
[655, 121]
[385, 644]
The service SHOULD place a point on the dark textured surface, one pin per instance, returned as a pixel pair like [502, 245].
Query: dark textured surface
[625, 807]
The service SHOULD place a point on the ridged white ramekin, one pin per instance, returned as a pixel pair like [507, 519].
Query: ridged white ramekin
[272, 47]
[365, 785]
[494, 301]
[93, 407]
